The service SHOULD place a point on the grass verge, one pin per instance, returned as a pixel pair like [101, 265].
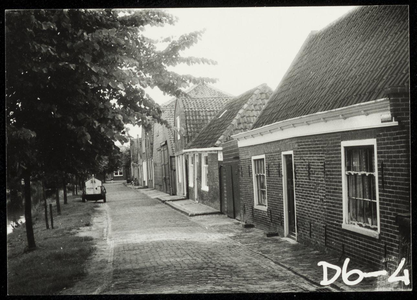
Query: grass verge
[60, 257]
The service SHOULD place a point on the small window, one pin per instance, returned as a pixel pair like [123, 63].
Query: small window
[191, 171]
[360, 193]
[259, 181]
[118, 173]
[204, 172]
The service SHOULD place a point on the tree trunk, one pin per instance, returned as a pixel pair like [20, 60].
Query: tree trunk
[65, 189]
[73, 185]
[58, 206]
[28, 212]
[45, 205]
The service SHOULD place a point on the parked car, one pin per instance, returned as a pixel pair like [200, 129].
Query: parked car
[94, 190]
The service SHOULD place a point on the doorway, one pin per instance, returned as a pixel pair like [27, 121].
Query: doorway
[232, 190]
[290, 216]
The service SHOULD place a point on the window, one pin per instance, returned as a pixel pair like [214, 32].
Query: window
[178, 128]
[259, 181]
[204, 172]
[118, 173]
[360, 187]
[191, 171]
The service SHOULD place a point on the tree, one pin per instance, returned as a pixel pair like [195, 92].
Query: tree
[74, 78]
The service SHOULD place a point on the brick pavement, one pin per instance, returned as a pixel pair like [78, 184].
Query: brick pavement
[153, 248]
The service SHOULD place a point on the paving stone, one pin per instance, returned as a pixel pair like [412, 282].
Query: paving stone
[157, 250]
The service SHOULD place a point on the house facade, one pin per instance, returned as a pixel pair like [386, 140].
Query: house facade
[213, 181]
[136, 165]
[328, 160]
[142, 169]
[164, 152]
[193, 111]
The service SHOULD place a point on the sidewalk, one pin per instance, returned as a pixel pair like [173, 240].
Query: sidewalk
[189, 207]
[298, 258]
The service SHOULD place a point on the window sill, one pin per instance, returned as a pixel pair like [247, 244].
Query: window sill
[261, 207]
[360, 230]
[205, 188]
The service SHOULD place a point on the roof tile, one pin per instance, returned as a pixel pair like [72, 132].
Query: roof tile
[353, 60]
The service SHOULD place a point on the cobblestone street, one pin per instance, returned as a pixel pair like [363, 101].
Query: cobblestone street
[159, 250]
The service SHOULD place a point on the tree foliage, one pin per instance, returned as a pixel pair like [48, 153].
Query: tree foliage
[74, 78]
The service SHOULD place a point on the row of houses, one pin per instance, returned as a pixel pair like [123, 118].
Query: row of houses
[324, 159]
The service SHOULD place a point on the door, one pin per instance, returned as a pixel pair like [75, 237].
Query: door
[165, 170]
[290, 228]
[232, 190]
[173, 176]
[221, 190]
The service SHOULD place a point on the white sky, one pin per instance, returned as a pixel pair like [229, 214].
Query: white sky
[251, 45]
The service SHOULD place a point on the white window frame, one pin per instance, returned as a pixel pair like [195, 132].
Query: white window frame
[178, 128]
[204, 172]
[255, 194]
[118, 173]
[345, 223]
[191, 170]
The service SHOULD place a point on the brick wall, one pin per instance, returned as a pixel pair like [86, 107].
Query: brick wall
[210, 197]
[318, 187]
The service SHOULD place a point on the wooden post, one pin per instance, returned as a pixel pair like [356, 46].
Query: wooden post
[52, 216]
[58, 206]
[28, 210]
[45, 205]
[65, 189]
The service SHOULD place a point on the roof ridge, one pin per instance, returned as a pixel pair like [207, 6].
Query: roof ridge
[243, 108]
[342, 17]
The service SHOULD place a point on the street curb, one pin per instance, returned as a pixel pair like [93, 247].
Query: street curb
[190, 214]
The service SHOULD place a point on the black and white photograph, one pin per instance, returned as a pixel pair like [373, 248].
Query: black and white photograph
[208, 150]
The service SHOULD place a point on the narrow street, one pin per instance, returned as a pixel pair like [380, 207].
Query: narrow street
[156, 249]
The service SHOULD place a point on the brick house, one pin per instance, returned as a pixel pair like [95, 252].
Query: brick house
[213, 182]
[142, 157]
[136, 168]
[328, 160]
[193, 110]
[164, 152]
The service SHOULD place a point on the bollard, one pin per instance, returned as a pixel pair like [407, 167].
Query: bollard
[52, 217]
[46, 215]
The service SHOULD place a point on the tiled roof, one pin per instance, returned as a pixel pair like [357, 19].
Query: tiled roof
[352, 60]
[236, 116]
[204, 91]
[199, 111]
[168, 111]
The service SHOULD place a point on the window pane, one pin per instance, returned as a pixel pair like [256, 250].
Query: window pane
[361, 217]
[355, 160]
[351, 186]
[373, 211]
[348, 159]
[359, 186]
[262, 181]
[263, 197]
[352, 209]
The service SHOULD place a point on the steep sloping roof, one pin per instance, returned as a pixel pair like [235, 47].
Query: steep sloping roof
[168, 111]
[201, 103]
[236, 116]
[204, 91]
[352, 60]
[199, 111]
